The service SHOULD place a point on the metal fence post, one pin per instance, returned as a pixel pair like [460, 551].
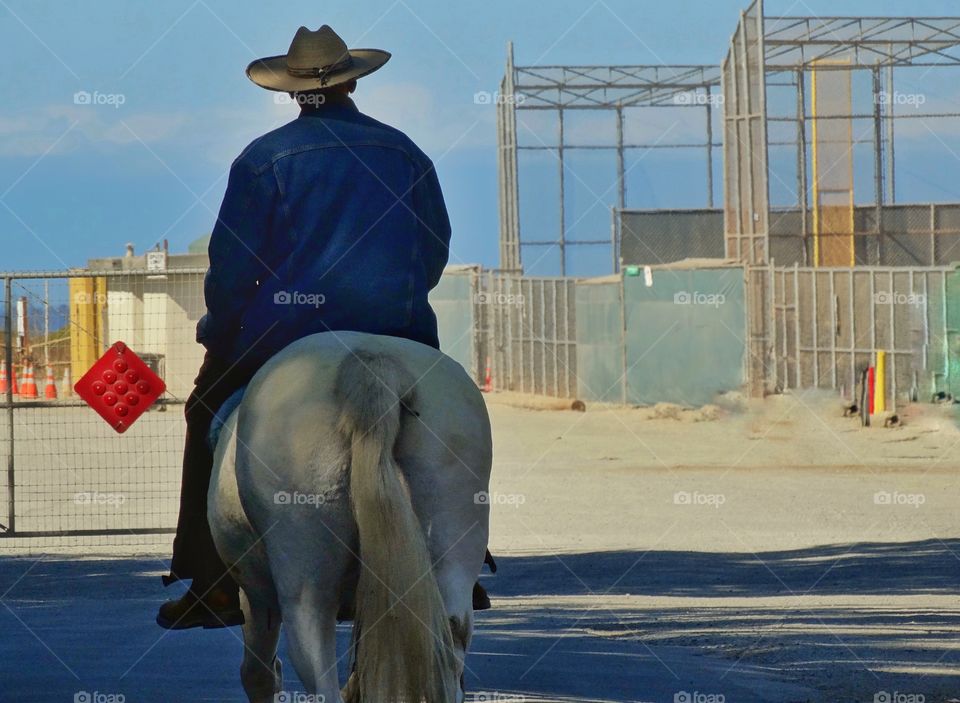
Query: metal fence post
[623, 339]
[853, 334]
[944, 336]
[892, 372]
[834, 327]
[933, 234]
[878, 166]
[770, 336]
[8, 359]
[815, 316]
[797, 344]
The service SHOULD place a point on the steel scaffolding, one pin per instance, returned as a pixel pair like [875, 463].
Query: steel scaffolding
[616, 89]
[810, 64]
[810, 116]
[789, 54]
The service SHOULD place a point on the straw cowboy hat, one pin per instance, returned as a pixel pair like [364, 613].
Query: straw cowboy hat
[315, 60]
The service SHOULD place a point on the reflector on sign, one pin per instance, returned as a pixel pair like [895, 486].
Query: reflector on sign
[120, 387]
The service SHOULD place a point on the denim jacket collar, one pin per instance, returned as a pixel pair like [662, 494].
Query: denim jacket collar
[336, 102]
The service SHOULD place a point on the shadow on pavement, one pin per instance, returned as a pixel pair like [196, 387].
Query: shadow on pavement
[608, 626]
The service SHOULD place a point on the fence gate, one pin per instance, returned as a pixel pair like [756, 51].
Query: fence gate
[829, 323]
[529, 333]
[68, 475]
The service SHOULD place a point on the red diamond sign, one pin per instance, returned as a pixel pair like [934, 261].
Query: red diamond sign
[120, 387]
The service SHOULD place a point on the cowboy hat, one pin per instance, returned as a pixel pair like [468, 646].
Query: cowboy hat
[315, 60]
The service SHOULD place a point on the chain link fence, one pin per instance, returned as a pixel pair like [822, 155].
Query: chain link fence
[70, 479]
[915, 234]
[71, 482]
[651, 237]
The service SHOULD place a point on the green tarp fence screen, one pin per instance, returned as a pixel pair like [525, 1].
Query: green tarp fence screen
[667, 335]
[453, 302]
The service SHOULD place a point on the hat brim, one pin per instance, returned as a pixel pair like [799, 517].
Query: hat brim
[271, 72]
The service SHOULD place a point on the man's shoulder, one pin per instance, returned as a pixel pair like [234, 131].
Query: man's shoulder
[301, 134]
[404, 141]
[391, 133]
[259, 154]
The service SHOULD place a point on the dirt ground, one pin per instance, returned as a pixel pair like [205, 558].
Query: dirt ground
[771, 551]
[763, 551]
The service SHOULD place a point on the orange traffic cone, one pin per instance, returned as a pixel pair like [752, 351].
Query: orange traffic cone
[50, 386]
[28, 388]
[488, 379]
[66, 388]
[5, 380]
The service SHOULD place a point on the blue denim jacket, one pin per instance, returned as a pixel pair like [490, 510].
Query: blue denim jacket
[332, 222]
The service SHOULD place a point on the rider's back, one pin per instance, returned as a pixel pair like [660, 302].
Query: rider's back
[356, 235]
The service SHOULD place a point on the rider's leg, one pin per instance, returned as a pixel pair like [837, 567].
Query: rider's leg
[212, 600]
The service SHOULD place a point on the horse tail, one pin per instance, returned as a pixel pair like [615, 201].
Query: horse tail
[403, 640]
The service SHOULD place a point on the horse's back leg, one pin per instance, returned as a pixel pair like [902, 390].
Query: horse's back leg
[260, 671]
[308, 574]
[455, 578]
[310, 622]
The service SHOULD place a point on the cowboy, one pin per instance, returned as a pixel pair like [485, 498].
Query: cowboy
[334, 221]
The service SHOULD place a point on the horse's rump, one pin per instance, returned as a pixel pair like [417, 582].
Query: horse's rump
[400, 430]
[399, 623]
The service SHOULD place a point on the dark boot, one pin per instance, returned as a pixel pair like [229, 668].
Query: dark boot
[481, 601]
[208, 608]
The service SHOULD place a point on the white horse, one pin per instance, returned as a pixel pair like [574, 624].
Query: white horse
[347, 481]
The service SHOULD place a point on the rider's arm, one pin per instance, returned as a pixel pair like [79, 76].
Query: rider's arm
[237, 253]
[434, 223]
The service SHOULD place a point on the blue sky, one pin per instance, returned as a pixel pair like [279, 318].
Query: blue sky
[79, 181]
